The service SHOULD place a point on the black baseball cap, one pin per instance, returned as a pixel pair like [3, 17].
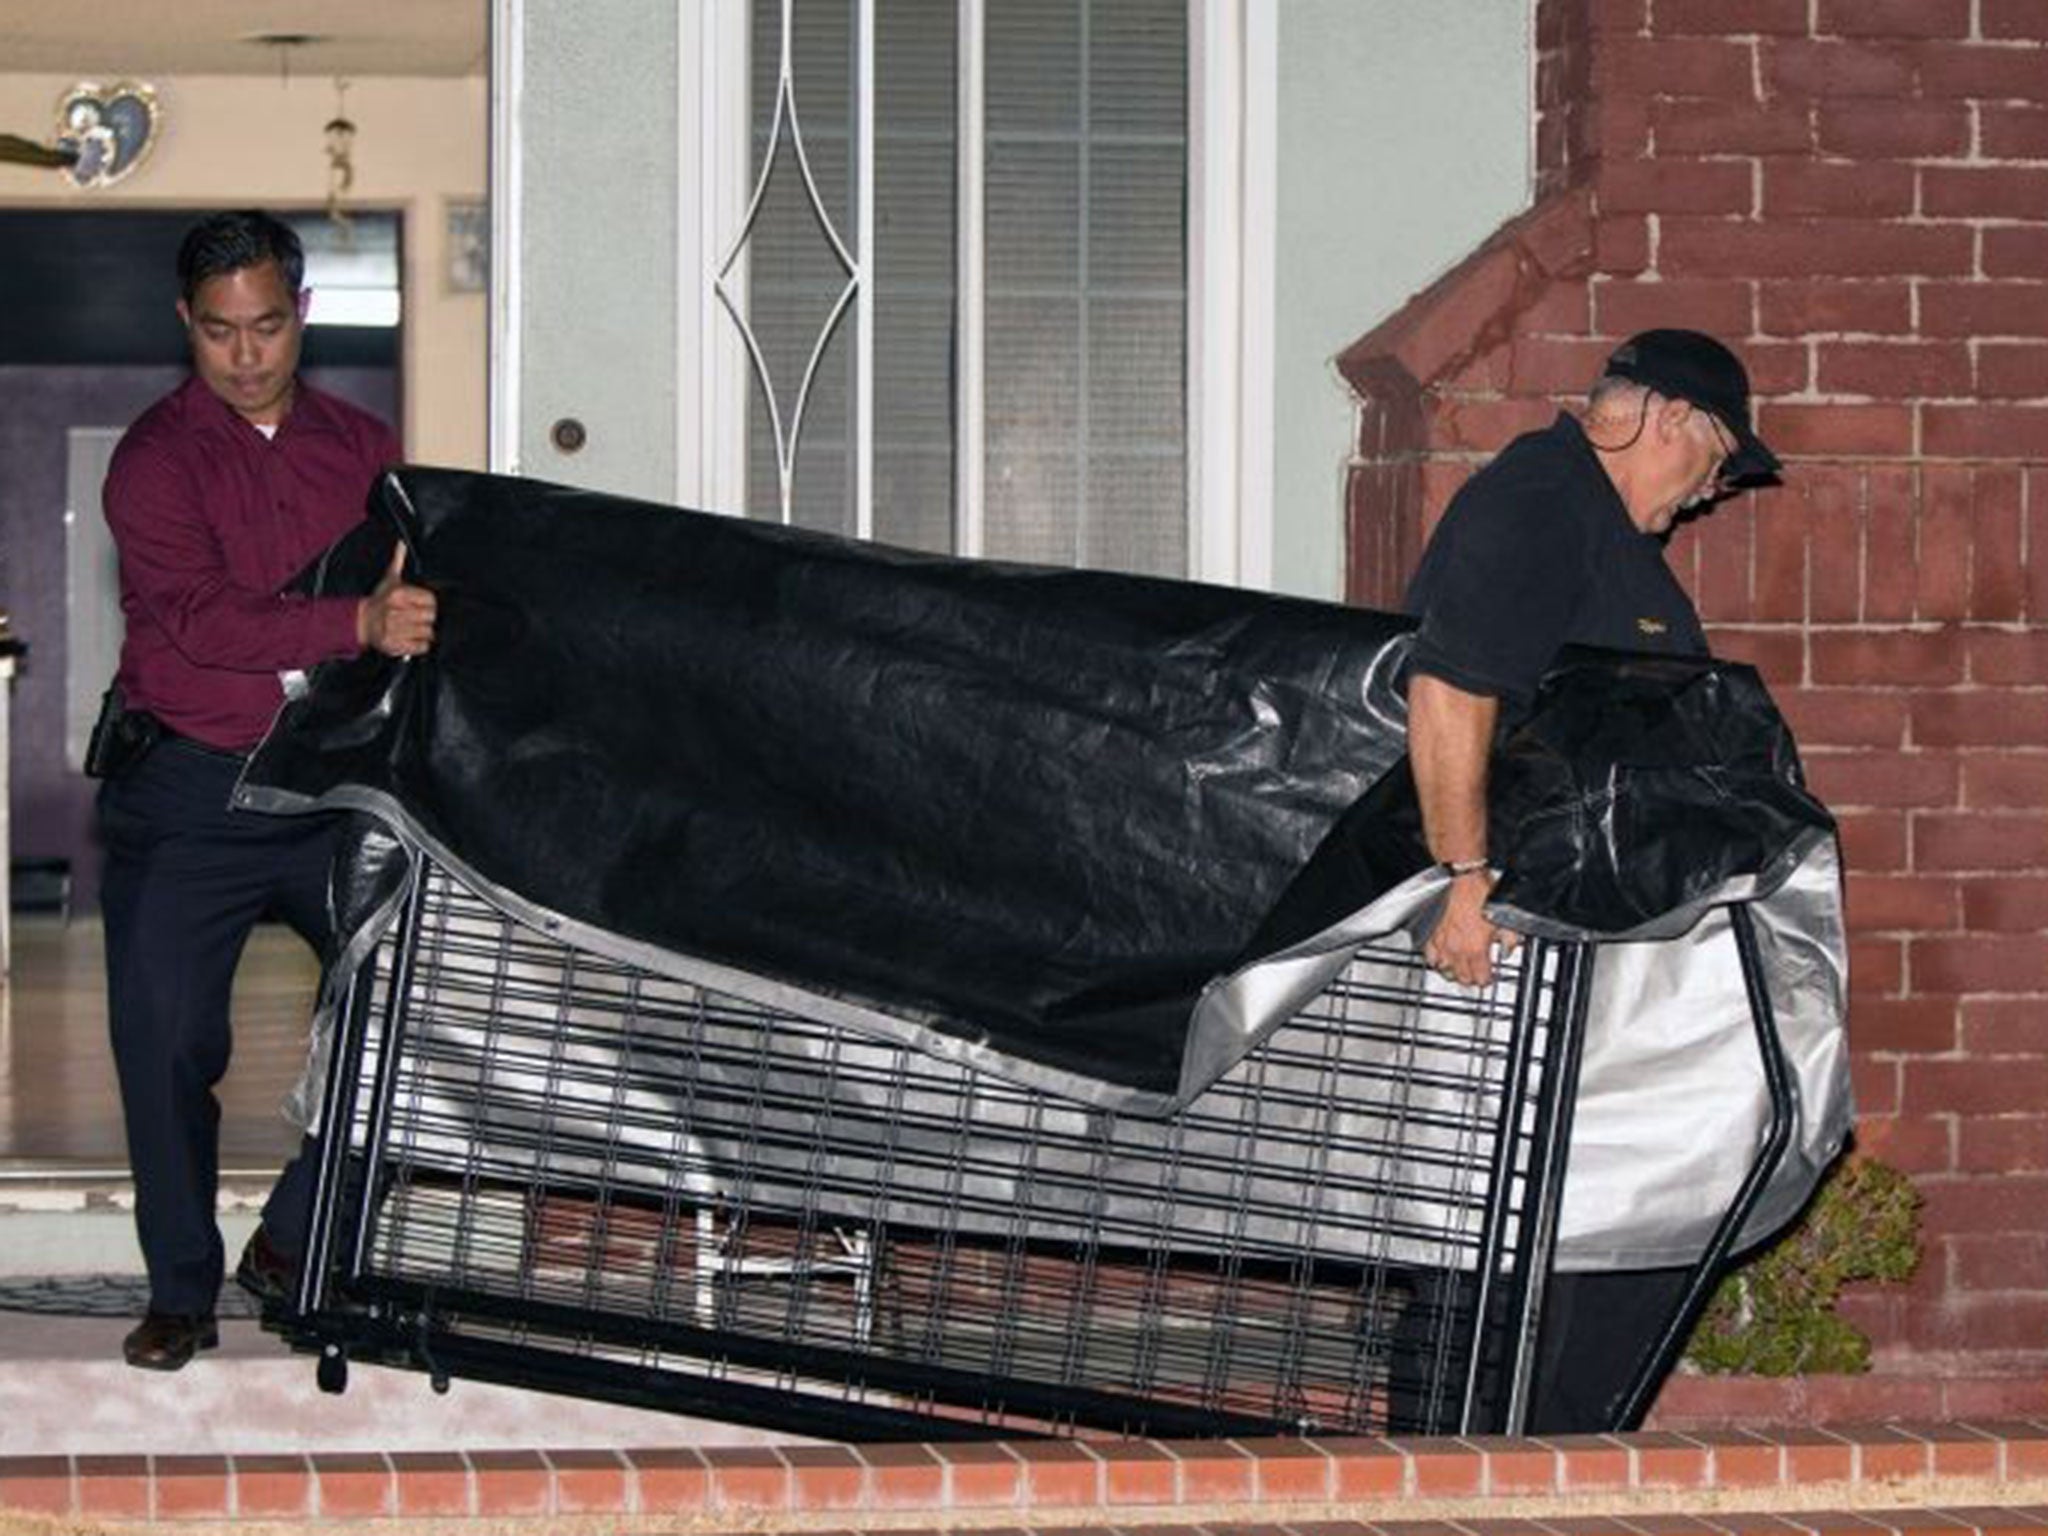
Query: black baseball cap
[1692, 366]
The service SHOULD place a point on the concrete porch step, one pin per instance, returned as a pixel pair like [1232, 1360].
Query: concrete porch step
[67, 1239]
[64, 1390]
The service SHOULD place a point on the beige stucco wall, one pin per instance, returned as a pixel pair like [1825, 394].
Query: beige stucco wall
[1403, 141]
[237, 140]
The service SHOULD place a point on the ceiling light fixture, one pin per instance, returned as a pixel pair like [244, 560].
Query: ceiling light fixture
[286, 44]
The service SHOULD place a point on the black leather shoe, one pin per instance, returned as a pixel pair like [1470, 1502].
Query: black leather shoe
[167, 1341]
[267, 1272]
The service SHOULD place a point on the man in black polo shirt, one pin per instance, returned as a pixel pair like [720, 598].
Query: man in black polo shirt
[1560, 541]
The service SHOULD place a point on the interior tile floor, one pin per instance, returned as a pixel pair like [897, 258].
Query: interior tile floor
[60, 1111]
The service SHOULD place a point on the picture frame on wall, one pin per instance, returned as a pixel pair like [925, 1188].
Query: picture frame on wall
[467, 237]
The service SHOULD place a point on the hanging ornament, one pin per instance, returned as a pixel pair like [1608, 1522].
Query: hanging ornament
[341, 169]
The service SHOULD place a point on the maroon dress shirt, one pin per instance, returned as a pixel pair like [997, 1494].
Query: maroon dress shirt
[211, 519]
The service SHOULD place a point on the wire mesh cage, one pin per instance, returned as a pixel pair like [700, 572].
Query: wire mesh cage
[561, 1171]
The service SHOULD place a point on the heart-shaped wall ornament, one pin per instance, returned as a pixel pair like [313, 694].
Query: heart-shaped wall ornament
[112, 127]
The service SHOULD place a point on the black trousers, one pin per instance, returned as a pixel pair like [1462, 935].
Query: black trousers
[186, 880]
[1598, 1330]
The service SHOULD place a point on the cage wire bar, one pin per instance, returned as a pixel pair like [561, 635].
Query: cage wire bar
[562, 1172]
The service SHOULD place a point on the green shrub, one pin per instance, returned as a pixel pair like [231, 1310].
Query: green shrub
[1775, 1314]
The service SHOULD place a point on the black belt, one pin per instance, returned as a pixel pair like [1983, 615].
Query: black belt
[171, 738]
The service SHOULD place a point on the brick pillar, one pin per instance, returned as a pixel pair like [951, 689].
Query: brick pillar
[1854, 193]
[1437, 382]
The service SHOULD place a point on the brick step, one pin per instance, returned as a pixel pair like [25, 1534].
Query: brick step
[1902, 1479]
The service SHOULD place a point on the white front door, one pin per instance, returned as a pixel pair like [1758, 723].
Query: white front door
[928, 271]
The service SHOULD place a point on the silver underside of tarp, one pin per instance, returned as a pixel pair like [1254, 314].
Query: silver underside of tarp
[1672, 1106]
[1670, 1110]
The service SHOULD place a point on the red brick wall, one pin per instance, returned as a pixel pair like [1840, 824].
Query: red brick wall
[1855, 194]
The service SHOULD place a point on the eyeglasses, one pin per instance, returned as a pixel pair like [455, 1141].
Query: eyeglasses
[1724, 445]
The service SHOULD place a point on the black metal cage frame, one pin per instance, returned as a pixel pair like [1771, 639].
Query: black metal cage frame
[547, 1168]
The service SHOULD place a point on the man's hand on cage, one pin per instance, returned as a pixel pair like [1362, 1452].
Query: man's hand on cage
[1461, 947]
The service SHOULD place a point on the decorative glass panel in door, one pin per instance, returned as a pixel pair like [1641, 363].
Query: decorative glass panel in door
[1041, 349]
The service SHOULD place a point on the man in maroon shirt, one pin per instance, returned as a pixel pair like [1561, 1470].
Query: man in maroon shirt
[221, 493]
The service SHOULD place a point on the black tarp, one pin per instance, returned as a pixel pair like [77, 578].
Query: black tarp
[1053, 803]
[1035, 809]
[1641, 785]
